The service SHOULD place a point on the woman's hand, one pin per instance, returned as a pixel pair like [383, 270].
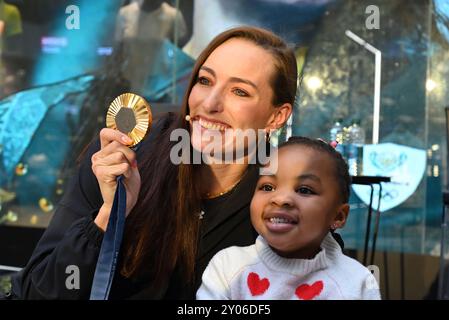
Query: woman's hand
[115, 159]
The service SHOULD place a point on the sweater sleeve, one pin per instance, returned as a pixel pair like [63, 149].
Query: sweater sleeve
[215, 285]
[63, 263]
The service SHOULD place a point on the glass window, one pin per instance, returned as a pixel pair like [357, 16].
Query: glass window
[62, 64]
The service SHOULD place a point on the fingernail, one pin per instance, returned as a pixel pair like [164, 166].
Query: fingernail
[126, 139]
[134, 164]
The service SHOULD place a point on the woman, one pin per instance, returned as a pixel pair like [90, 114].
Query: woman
[245, 79]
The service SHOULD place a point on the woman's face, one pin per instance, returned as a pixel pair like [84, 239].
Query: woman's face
[233, 91]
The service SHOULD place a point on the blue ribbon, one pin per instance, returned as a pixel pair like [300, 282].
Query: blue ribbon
[110, 247]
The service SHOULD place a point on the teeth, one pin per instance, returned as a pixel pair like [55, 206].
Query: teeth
[279, 220]
[211, 125]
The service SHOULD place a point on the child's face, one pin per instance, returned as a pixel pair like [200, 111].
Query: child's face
[295, 208]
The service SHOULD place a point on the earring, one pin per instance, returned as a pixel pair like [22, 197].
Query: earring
[334, 227]
[187, 118]
[333, 144]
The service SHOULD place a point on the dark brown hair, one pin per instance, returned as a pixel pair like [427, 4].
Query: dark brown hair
[162, 229]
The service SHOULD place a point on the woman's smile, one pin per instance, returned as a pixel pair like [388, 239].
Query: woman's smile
[211, 124]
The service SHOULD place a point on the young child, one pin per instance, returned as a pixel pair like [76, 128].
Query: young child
[295, 210]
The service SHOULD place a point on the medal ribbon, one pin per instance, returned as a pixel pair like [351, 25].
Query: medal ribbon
[110, 247]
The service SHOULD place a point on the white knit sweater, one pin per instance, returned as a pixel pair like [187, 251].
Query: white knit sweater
[256, 272]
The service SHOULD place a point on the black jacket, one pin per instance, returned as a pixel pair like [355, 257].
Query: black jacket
[72, 238]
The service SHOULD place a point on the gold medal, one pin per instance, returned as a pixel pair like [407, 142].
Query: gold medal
[130, 114]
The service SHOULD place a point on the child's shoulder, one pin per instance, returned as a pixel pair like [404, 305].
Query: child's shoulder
[236, 254]
[347, 267]
[344, 263]
[352, 270]
[351, 264]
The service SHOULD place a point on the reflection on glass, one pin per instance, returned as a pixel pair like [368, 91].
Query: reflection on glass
[45, 205]
[68, 78]
[21, 169]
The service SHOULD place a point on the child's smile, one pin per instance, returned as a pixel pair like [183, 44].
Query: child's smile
[279, 220]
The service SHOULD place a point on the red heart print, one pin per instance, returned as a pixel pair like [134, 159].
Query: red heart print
[306, 292]
[256, 285]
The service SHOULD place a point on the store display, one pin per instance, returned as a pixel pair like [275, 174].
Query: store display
[354, 144]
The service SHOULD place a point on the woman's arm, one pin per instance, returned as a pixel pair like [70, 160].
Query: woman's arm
[72, 240]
